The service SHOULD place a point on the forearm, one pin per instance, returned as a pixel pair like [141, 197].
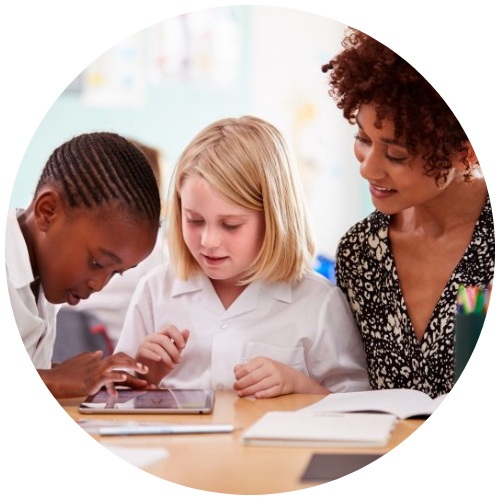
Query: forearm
[51, 383]
[306, 385]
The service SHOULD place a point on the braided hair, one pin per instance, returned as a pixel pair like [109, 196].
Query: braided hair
[103, 169]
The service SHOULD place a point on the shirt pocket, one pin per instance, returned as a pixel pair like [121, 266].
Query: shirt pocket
[294, 358]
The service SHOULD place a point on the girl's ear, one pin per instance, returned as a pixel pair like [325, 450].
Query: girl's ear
[47, 209]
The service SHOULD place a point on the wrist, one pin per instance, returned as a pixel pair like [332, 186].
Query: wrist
[51, 382]
[305, 385]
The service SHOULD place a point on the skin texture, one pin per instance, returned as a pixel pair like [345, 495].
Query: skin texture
[223, 237]
[396, 177]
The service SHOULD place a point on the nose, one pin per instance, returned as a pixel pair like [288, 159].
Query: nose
[371, 167]
[98, 281]
[210, 237]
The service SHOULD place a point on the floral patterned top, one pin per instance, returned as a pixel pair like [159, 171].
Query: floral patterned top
[367, 275]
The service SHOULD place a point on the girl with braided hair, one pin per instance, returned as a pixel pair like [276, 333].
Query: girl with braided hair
[432, 229]
[95, 213]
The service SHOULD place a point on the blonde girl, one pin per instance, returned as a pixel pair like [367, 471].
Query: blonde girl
[238, 306]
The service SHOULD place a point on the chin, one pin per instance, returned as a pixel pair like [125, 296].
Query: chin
[215, 276]
[221, 276]
[388, 208]
[54, 297]
[54, 300]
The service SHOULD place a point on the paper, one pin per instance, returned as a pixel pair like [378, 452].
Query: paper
[140, 457]
[404, 403]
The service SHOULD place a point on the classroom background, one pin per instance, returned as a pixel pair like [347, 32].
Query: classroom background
[162, 85]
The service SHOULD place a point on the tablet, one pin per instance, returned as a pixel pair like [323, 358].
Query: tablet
[151, 401]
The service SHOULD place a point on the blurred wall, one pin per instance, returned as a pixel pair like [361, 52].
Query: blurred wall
[164, 84]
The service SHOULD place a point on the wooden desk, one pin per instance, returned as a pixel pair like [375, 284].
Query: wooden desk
[219, 462]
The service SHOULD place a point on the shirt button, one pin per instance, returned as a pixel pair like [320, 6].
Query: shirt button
[220, 387]
[224, 326]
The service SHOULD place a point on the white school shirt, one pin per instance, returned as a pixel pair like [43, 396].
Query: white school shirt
[307, 326]
[36, 322]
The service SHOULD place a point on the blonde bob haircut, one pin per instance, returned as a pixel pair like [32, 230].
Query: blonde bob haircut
[247, 162]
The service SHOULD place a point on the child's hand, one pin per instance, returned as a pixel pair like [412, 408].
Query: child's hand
[265, 378]
[161, 352]
[86, 373]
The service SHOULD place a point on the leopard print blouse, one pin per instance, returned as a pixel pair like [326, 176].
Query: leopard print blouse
[367, 275]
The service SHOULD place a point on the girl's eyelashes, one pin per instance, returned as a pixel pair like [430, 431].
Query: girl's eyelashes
[194, 221]
[94, 264]
[199, 222]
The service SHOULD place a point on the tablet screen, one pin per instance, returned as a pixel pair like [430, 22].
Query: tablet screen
[152, 401]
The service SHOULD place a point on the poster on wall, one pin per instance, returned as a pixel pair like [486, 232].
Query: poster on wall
[117, 78]
[202, 47]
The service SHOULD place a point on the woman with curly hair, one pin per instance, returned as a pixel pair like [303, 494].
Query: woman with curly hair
[432, 229]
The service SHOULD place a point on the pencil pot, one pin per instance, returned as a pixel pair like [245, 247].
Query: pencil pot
[467, 330]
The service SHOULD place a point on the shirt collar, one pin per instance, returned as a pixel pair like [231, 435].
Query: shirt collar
[193, 284]
[278, 290]
[248, 300]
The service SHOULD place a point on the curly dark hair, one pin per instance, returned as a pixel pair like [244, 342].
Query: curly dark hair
[367, 71]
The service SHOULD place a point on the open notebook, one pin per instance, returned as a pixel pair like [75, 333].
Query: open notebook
[403, 403]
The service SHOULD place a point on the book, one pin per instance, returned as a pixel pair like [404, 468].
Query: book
[403, 403]
[320, 429]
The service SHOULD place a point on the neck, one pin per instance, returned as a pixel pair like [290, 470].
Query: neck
[227, 292]
[459, 204]
[27, 225]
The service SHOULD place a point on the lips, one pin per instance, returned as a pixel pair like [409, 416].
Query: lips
[381, 192]
[213, 260]
[73, 299]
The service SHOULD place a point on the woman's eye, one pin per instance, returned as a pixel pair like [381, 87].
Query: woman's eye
[361, 140]
[231, 227]
[397, 159]
[194, 221]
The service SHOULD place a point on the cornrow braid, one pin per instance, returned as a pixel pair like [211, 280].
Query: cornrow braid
[99, 168]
